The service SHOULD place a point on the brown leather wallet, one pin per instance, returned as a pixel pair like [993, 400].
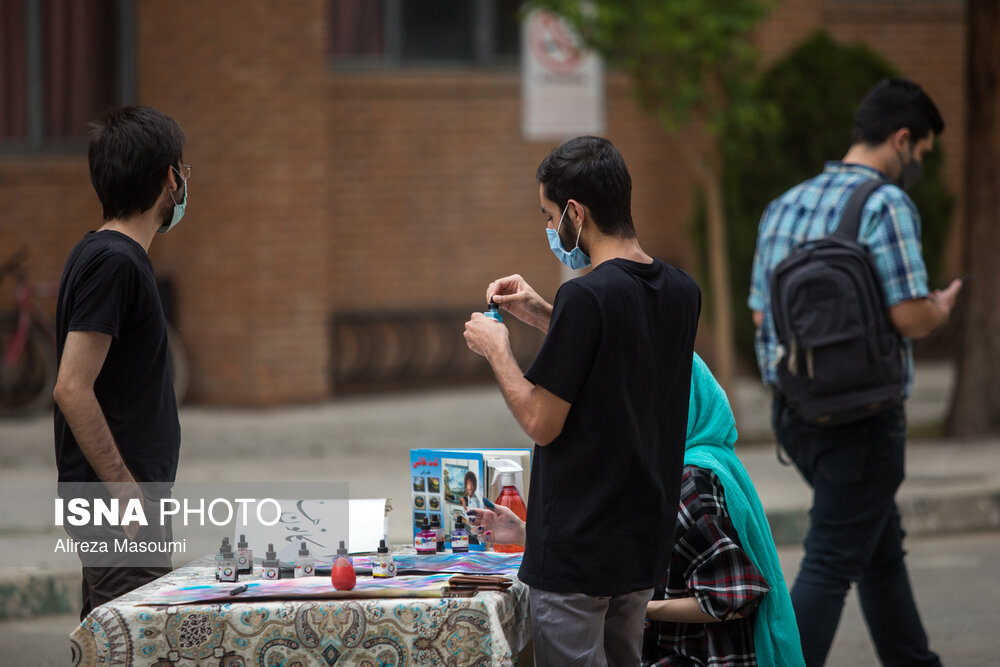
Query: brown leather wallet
[482, 582]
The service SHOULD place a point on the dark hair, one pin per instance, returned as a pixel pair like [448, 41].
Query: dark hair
[891, 105]
[131, 151]
[592, 171]
[471, 477]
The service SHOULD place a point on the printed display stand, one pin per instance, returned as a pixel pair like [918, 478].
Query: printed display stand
[445, 483]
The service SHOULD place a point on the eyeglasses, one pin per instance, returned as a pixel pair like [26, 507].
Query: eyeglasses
[185, 171]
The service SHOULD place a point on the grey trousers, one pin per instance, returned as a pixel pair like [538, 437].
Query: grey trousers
[576, 630]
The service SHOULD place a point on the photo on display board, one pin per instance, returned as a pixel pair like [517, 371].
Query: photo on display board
[462, 486]
[418, 484]
[453, 473]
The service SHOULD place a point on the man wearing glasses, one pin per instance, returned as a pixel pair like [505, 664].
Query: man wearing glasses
[116, 415]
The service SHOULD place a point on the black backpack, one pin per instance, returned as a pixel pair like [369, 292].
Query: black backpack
[840, 359]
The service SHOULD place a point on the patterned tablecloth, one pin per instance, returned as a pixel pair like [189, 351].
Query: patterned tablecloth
[487, 629]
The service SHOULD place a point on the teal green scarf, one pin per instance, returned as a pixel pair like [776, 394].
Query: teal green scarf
[711, 439]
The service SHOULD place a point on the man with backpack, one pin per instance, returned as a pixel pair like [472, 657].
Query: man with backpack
[829, 349]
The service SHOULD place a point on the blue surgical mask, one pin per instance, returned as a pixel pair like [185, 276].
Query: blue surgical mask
[178, 209]
[576, 259]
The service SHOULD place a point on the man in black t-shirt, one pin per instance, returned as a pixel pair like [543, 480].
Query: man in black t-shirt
[606, 402]
[116, 414]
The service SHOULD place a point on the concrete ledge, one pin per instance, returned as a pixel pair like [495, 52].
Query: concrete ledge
[922, 516]
[26, 592]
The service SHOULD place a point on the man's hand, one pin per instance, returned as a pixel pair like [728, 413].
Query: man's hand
[945, 299]
[125, 492]
[517, 297]
[917, 318]
[504, 526]
[485, 336]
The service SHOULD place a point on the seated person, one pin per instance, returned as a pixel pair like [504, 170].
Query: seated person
[724, 600]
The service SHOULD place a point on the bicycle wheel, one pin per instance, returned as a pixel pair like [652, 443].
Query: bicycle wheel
[26, 384]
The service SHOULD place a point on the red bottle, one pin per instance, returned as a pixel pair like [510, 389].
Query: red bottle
[342, 574]
[510, 498]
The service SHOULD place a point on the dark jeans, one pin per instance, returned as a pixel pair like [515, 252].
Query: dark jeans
[104, 584]
[109, 576]
[855, 534]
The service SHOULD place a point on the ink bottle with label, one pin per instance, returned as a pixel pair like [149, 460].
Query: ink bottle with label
[426, 541]
[227, 569]
[459, 537]
[305, 566]
[342, 574]
[383, 566]
[271, 567]
[493, 311]
[218, 556]
[244, 556]
[438, 534]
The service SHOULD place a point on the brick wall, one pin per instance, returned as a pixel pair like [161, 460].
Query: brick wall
[317, 191]
[247, 82]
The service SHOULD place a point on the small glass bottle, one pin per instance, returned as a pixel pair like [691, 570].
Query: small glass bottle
[383, 565]
[271, 567]
[227, 569]
[459, 537]
[342, 574]
[244, 556]
[426, 541]
[218, 556]
[305, 566]
[438, 533]
[493, 311]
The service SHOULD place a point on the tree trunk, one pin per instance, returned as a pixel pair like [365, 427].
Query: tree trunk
[718, 268]
[975, 408]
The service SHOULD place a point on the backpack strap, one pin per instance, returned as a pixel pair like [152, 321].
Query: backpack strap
[850, 218]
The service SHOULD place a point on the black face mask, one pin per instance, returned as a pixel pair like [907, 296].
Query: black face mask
[910, 173]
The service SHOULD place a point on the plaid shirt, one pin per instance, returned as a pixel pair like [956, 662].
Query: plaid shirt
[708, 563]
[890, 228]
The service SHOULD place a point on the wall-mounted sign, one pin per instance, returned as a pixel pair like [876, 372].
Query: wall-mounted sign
[562, 85]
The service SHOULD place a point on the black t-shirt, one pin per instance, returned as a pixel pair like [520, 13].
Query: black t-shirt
[604, 493]
[108, 286]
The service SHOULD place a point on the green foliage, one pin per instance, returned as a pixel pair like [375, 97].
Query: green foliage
[685, 57]
[815, 89]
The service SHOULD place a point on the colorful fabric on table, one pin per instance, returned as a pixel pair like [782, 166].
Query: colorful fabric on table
[474, 562]
[487, 630]
[304, 587]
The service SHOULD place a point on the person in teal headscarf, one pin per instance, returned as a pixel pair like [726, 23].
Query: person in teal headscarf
[726, 602]
[709, 616]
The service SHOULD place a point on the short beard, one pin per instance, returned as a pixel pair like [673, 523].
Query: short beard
[167, 213]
